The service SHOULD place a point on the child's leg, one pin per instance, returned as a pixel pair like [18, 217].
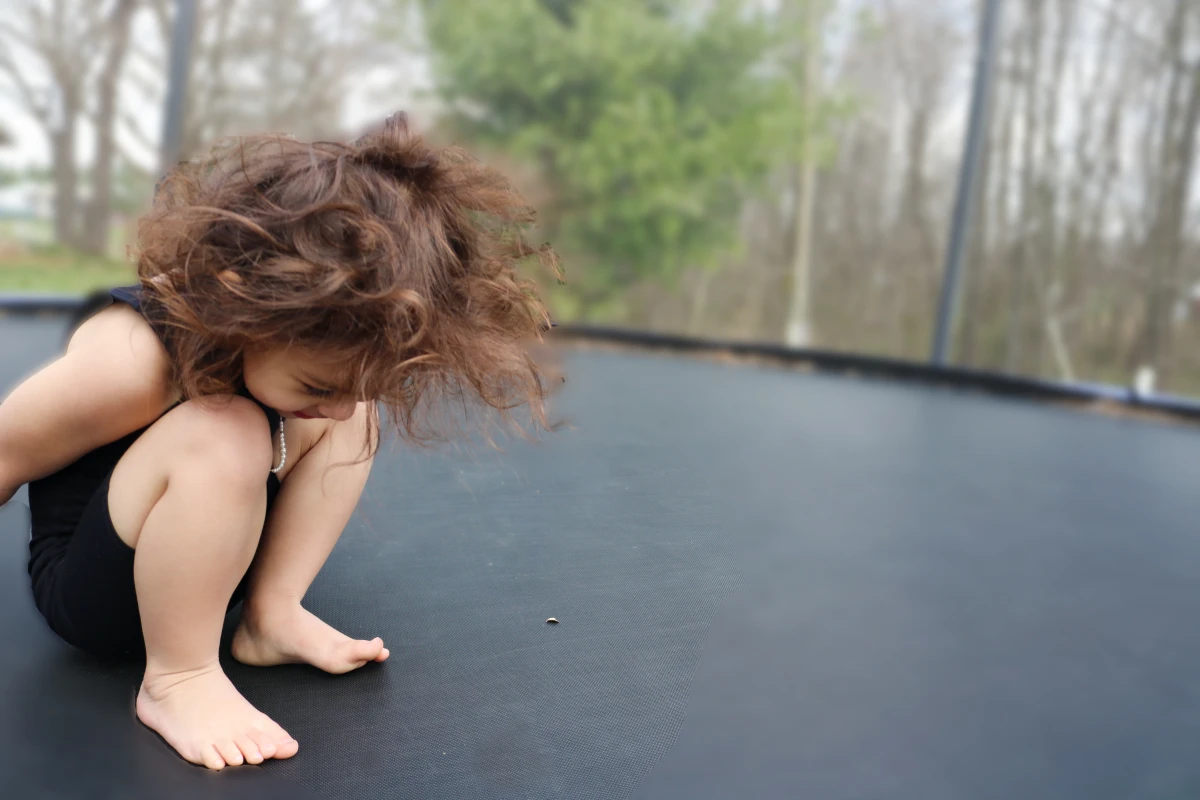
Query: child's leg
[190, 497]
[315, 503]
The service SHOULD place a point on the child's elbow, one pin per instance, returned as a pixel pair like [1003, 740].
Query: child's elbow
[9, 483]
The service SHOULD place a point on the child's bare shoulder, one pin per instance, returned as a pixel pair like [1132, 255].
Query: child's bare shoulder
[113, 379]
[119, 343]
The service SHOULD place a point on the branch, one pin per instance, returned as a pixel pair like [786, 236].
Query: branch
[137, 50]
[136, 133]
[131, 163]
[28, 98]
[36, 15]
[149, 87]
[162, 16]
[93, 28]
[12, 30]
[1154, 52]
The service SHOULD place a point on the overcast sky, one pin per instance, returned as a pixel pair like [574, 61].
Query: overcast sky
[385, 89]
[381, 88]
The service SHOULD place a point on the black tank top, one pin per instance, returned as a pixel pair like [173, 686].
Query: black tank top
[57, 501]
[132, 296]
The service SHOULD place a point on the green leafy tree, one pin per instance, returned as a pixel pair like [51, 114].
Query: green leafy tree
[650, 121]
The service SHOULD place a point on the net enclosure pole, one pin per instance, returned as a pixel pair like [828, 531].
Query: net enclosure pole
[178, 60]
[967, 191]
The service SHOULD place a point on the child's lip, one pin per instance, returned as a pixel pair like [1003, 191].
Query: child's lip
[302, 415]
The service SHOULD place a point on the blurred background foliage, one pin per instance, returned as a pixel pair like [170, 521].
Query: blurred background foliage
[775, 170]
[649, 123]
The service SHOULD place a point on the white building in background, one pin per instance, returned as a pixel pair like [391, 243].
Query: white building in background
[26, 214]
[27, 200]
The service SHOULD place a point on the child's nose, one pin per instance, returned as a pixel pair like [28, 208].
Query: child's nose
[339, 411]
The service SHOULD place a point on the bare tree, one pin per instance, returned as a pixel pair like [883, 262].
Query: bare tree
[922, 48]
[1084, 254]
[1084, 251]
[267, 65]
[798, 331]
[50, 51]
[1176, 157]
[259, 65]
[98, 211]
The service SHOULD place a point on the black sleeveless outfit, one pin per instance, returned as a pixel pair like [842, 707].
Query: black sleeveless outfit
[81, 570]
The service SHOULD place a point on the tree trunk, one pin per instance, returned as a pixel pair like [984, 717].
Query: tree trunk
[985, 225]
[97, 214]
[976, 266]
[798, 332]
[1048, 253]
[1087, 152]
[1026, 216]
[66, 175]
[990, 298]
[913, 203]
[1175, 157]
[1169, 241]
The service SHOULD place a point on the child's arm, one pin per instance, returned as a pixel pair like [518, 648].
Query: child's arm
[112, 380]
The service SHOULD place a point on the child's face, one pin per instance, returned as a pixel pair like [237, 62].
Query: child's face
[296, 383]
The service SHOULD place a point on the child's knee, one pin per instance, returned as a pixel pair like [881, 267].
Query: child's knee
[221, 448]
[229, 435]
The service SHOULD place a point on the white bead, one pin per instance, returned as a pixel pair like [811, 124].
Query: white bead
[282, 448]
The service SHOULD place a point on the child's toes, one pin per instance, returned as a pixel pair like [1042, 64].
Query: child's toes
[263, 742]
[271, 740]
[211, 758]
[360, 652]
[286, 748]
[230, 752]
[249, 749]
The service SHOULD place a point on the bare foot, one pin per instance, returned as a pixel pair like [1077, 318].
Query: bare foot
[208, 721]
[293, 635]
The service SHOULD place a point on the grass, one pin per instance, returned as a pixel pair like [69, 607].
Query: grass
[61, 272]
[30, 264]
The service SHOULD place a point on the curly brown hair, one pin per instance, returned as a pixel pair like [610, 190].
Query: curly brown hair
[397, 259]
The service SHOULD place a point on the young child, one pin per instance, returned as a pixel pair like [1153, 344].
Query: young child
[205, 438]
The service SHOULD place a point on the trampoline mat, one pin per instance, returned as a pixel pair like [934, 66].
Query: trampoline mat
[769, 585]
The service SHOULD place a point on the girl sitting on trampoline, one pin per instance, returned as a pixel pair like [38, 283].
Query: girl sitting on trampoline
[205, 438]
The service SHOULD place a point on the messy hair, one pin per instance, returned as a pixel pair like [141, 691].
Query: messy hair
[397, 259]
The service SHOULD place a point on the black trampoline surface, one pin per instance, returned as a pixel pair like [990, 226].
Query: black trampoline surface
[770, 585]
